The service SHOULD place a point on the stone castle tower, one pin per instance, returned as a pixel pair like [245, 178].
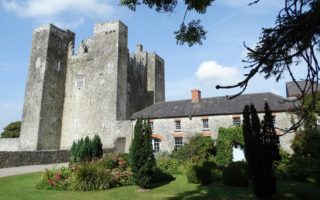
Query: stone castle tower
[95, 91]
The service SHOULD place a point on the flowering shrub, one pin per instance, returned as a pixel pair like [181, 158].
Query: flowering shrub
[88, 176]
[55, 179]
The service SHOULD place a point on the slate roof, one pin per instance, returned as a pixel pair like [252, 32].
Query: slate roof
[293, 90]
[212, 106]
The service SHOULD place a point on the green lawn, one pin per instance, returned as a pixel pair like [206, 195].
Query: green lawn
[22, 187]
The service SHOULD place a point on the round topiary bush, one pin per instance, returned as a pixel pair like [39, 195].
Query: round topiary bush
[235, 174]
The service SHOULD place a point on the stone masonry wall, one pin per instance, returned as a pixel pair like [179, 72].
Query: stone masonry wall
[165, 131]
[23, 158]
[9, 144]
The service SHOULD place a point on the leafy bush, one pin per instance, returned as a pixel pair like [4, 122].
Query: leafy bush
[55, 179]
[235, 174]
[282, 166]
[305, 162]
[204, 173]
[110, 161]
[12, 130]
[225, 141]
[173, 166]
[89, 177]
[85, 150]
[198, 148]
[192, 174]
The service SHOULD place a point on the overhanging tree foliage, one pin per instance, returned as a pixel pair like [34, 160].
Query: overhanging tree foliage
[141, 156]
[261, 150]
[294, 40]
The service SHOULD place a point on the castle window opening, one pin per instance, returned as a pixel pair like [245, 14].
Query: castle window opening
[80, 81]
[156, 145]
[58, 66]
[178, 142]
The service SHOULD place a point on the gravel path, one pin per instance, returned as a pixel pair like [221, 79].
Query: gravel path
[29, 169]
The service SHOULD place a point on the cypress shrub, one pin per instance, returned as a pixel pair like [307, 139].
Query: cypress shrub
[261, 150]
[86, 150]
[141, 156]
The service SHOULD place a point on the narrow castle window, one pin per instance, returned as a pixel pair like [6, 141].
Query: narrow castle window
[58, 66]
[80, 81]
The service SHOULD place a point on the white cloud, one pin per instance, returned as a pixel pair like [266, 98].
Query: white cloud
[48, 8]
[71, 12]
[211, 71]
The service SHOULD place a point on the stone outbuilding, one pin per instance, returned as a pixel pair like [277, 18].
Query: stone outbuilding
[174, 122]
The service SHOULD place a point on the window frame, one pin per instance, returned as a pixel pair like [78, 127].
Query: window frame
[177, 125]
[156, 145]
[235, 121]
[178, 142]
[205, 124]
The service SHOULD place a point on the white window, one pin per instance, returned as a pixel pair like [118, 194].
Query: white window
[80, 81]
[236, 121]
[177, 125]
[205, 123]
[178, 142]
[151, 126]
[156, 143]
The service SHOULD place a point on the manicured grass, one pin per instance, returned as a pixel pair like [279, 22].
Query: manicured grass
[23, 188]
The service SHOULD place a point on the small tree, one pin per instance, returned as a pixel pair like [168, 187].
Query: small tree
[261, 150]
[12, 130]
[142, 160]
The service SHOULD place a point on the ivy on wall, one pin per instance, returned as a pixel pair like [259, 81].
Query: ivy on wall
[227, 137]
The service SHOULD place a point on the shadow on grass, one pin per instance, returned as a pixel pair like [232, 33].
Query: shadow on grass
[286, 191]
[215, 192]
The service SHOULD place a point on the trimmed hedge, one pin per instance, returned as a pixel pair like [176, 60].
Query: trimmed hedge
[235, 174]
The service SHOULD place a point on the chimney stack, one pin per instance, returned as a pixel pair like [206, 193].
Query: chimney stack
[195, 95]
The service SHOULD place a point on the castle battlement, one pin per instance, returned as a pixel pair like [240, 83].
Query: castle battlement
[109, 27]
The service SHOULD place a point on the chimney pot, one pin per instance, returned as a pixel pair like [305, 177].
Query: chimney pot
[195, 95]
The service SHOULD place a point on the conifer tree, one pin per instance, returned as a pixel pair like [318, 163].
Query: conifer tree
[142, 160]
[261, 150]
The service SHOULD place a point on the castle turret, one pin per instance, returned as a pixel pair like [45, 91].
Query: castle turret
[43, 106]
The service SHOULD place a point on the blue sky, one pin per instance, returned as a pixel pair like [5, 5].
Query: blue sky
[229, 23]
